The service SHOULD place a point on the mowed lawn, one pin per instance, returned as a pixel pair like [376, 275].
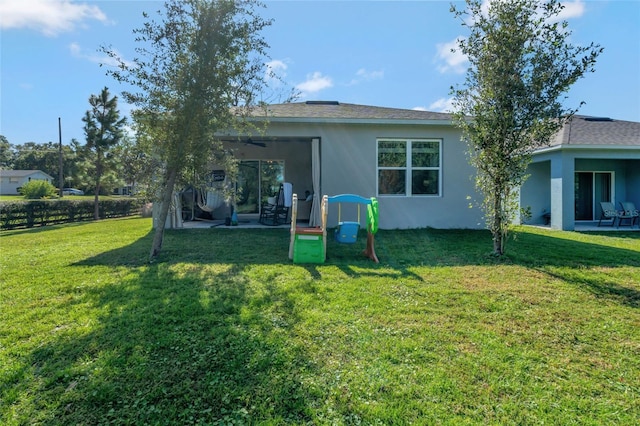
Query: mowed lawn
[224, 329]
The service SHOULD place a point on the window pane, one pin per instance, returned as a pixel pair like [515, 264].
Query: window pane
[584, 195]
[247, 187]
[271, 176]
[425, 154]
[391, 181]
[424, 182]
[392, 154]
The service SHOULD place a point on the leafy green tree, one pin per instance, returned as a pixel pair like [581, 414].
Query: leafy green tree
[6, 154]
[72, 166]
[35, 156]
[103, 130]
[521, 67]
[138, 166]
[200, 67]
[45, 157]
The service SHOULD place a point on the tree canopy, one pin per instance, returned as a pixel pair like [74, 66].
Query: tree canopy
[513, 99]
[199, 66]
[103, 130]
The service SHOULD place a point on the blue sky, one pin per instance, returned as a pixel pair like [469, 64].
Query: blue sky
[383, 53]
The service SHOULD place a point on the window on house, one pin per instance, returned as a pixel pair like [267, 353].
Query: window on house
[409, 167]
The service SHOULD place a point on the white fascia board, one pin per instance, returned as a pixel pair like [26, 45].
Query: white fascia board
[586, 148]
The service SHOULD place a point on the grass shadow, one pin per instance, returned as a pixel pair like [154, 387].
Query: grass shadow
[176, 342]
[566, 255]
[596, 268]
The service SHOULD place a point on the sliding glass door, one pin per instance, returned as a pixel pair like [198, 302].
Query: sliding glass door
[590, 189]
[257, 180]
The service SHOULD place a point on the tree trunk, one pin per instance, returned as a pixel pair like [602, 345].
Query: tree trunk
[96, 198]
[96, 203]
[497, 243]
[167, 194]
[498, 247]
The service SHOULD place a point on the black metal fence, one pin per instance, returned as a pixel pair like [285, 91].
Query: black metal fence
[27, 214]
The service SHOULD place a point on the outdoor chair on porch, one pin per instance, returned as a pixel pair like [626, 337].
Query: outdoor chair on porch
[609, 213]
[629, 212]
[276, 210]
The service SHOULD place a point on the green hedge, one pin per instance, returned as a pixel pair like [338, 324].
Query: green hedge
[27, 214]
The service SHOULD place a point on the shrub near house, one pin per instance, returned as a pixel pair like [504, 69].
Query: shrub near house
[37, 189]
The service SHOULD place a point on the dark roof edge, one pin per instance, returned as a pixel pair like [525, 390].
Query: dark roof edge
[334, 120]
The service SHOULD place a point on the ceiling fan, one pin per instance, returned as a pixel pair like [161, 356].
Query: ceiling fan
[252, 142]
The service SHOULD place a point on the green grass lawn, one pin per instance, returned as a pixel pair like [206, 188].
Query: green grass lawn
[224, 329]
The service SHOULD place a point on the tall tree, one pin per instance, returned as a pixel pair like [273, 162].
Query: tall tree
[199, 67]
[103, 130]
[6, 153]
[521, 67]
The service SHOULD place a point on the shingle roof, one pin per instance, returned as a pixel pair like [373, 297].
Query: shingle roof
[20, 173]
[581, 130]
[337, 111]
[584, 130]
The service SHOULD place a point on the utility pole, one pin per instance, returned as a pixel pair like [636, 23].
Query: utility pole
[60, 174]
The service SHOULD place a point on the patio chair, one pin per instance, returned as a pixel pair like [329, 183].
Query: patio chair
[276, 210]
[629, 212]
[609, 213]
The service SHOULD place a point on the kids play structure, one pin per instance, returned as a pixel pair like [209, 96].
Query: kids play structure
[309, 245]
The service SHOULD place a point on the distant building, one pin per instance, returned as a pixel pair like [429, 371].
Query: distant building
[11, 180]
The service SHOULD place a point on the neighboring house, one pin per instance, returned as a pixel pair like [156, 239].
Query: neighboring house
[591, 160]
[11, 180]
[413, 162]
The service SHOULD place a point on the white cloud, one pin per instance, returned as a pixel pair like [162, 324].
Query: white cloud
[277, 67]
[365, 75]
[50, 17]
[102, 59]
[315, 82]
[454, 60]
[370, 75]
[275, 72]
[572, 9]
[442, 105]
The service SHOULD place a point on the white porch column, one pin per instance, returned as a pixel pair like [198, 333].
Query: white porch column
[563, 192]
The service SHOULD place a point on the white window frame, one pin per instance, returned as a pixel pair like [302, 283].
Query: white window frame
[408, 168]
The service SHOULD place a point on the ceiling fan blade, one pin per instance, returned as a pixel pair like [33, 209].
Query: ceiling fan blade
[260, 144]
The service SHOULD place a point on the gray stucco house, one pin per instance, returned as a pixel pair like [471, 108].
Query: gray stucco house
[11, 180]
[592, 159]
[413, 162]
[416, 165]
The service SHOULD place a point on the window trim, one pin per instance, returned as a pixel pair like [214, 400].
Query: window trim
[408, 168]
